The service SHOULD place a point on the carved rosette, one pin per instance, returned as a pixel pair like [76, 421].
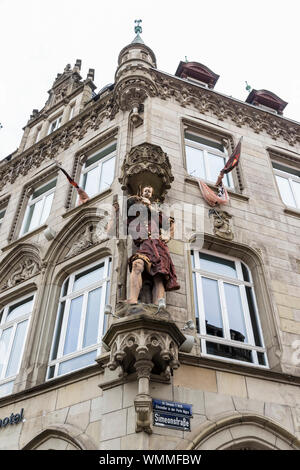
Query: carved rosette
[146, 164]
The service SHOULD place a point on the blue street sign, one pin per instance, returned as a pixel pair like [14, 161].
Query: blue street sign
[167, 420]
[178, 409]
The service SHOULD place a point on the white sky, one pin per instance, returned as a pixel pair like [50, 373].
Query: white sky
[240, 40]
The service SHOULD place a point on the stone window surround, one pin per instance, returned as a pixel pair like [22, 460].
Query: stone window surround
[289, 160]
[253, 259]
[28, 189]
[209, 130]
[4, 203]
[81, 156]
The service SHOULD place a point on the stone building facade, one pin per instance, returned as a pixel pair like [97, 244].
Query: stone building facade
[239, 273]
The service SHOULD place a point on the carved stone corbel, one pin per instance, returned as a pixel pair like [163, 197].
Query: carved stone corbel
[146, 345]
[221, 224]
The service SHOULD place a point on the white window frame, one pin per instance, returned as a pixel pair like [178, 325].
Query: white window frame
[70, 295]
[99, 163]
[206, 149]
[290, 177]
[200, 315]
[14, 324]
[56, 122]
[32, 201]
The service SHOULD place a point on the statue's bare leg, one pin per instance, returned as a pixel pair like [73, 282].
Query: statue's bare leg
[135, 281]
[158, 289]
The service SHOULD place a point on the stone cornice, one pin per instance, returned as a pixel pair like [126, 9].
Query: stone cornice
[58, 141]
[224, 108]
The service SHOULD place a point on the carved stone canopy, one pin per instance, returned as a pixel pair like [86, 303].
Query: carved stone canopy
[146, 164]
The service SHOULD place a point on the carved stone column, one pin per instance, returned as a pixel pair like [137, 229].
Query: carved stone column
[144, 344]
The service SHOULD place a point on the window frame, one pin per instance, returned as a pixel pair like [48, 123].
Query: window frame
[197, 274]
[14, 324]
[59, 335]
[206, 149]
[57, 122]
[289, 177]
[99, 163]
[30, 203]
[2, 215]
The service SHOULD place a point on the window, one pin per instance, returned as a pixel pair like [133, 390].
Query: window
[99, 169]
[288, 182]
[14, 319]
[55, 124]
[39, 206]
[2, 213]
[205, 159]
[38, 134]
[80, 322]
[72, 109]
[226, 311]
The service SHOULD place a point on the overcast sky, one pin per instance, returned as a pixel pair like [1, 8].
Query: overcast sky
[240, 40]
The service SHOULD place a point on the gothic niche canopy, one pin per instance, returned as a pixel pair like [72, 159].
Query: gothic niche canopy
[146, 165]
[197, 72]
[266, 98]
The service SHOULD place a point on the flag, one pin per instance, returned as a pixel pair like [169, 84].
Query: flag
[83, 197]
[231, 163]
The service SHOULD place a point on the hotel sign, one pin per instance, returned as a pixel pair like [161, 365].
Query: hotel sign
[14, 418]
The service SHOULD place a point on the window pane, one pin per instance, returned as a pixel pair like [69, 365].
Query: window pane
[21, 308]
[73, 325]
[92, 318]
[101, 154]
[38, 192]
[246, 275]
[88, 277]
[195, 162]
[212, 307]
[15, 355]
[47, 208]
[235, 313]
[261, 358]
[216, 164]
[107, 173]
[4, 342]
[77, 363]
[254, 324]
[285, 191]
[34, 215]
[91, 182]
[238, 354]
[214, 264]
[296, 189]
[6, 389]
[202, 140]
[58, 330]
[196, 302]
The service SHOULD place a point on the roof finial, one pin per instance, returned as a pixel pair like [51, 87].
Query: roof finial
[248, 87]
[186, 59]
[138, 28]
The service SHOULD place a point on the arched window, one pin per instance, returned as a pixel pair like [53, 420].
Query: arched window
[80, 321]
[226, 310]
[14, 320]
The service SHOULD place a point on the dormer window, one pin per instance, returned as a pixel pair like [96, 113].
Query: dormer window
[266, 100]
[54, 125]
[197, 73]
